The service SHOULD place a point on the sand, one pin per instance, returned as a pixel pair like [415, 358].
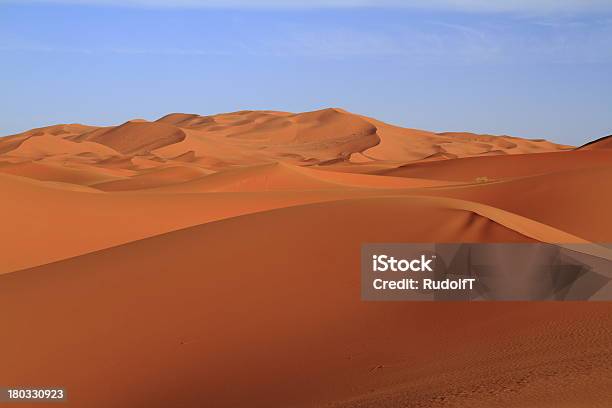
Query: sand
[602, 143]
[214, 261]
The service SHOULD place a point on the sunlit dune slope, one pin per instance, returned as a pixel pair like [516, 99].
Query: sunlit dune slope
[44, 146]
[12, 142]
[194, 318]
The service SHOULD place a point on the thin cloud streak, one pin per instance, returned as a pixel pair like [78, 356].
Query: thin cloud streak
[455, 44]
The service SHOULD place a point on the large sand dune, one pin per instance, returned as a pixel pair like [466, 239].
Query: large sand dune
[214, 261]
[278, 322]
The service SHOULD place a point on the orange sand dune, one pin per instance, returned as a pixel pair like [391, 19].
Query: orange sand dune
[281, 176]
[401, 144]
[575, 201]
[154, 178]
[12, 142]
[135, 137]
[214, 261]
[49, 222]
[49, 145]
[260, 137]
[476, 169]
[602, 143]
[193, 318]
[307, 135]
[53, 171]
[247, 138]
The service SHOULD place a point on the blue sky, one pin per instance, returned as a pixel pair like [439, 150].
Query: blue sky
[539, 69]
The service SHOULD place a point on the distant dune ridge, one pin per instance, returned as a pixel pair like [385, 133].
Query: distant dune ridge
[176, 263]
[602, 143]
[255, 137]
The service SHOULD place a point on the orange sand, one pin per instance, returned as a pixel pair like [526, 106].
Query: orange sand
[178, 263]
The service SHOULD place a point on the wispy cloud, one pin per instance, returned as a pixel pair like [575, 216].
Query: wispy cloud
[432, 43]
[438, 42]
[518, 6]
[439, 39]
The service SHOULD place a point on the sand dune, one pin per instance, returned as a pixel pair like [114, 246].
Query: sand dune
[602, 143]
[401, 144]
[135, 137]
[121, 157]
[39, 147]
[54, 171]
[50, 222]
[156, 177]
[286, 177]
[323, 346]
[482, 169]
[247, 138]
[575, 201]
[10, 143]
[214, 261]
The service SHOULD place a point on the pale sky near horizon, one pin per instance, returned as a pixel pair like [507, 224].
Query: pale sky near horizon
[537, 69]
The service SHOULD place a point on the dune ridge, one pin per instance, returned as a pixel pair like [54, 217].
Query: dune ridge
[601, 143]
